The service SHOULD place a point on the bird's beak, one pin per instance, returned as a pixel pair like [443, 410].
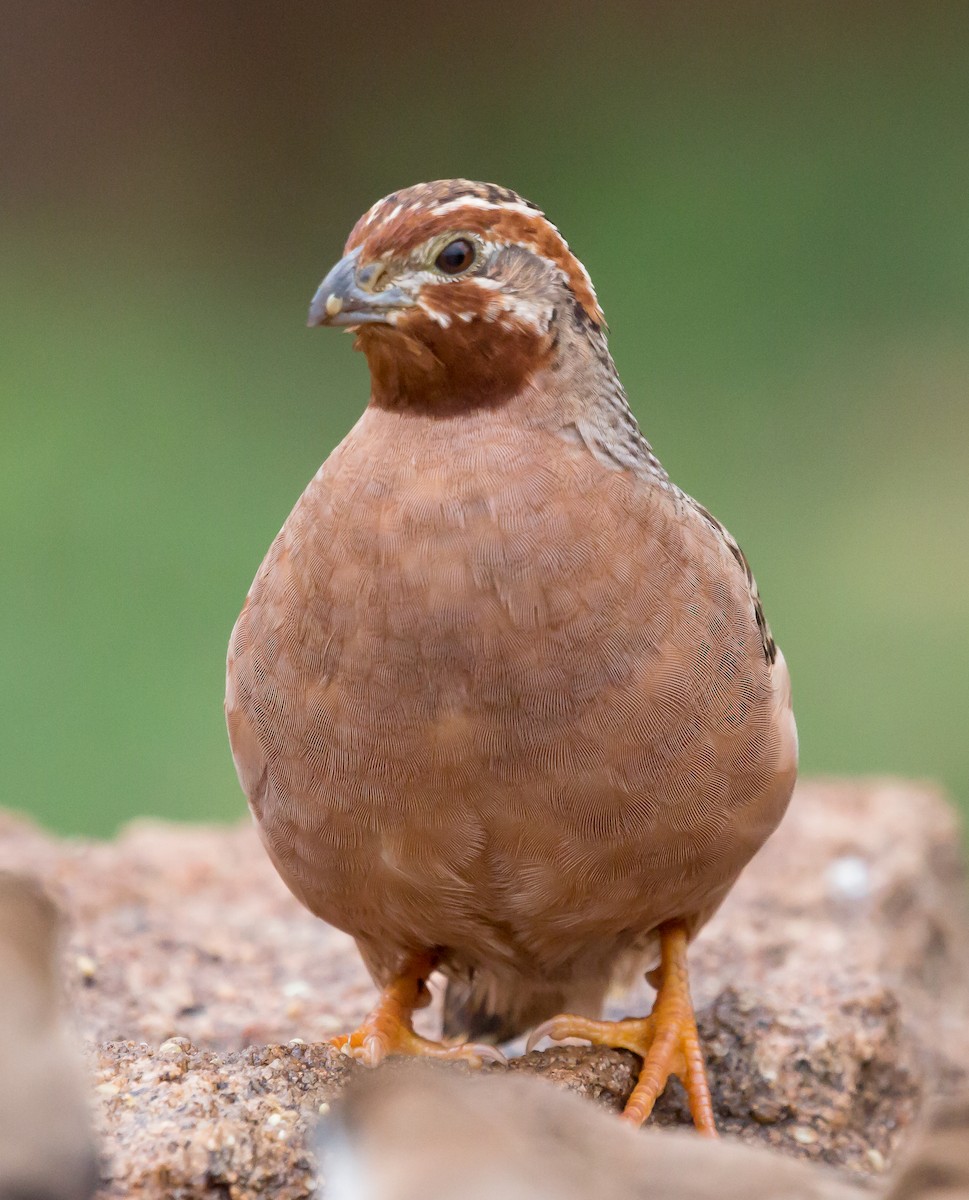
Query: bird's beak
[345, 296]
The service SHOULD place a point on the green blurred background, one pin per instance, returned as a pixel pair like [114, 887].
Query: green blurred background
[773, 201]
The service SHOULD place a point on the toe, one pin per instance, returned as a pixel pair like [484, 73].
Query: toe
[635, 1033]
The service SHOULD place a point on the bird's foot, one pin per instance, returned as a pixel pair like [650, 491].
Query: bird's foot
[388, 1028]
[381, 1036]
[667, 1040]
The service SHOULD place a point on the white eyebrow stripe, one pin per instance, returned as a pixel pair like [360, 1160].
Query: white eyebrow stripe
[478, 202]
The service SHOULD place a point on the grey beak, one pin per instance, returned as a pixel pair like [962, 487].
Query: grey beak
[343, 299]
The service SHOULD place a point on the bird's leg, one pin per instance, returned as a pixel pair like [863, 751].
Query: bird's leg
[666, 1040]
[388, 1028]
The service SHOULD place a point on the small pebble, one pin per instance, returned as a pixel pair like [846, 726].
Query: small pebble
[174, 1047]
[803, 1135]
[87, 968]
[849, 877]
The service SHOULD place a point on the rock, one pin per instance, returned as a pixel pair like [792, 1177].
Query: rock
[830, 989]
[204, 1123]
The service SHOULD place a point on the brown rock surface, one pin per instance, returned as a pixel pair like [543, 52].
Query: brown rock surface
[831, 991]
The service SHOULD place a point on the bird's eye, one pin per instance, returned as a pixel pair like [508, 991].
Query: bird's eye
[456, 257]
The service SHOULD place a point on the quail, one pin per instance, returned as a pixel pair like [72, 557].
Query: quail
[502, 697]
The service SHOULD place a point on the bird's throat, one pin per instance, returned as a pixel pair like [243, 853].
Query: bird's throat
[471, 367]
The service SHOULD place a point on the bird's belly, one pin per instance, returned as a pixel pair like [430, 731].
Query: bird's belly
[505, 737]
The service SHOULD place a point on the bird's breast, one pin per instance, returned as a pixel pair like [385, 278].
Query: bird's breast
[479, 665]
[421, 568]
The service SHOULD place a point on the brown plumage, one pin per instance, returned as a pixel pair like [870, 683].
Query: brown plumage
[502, 697]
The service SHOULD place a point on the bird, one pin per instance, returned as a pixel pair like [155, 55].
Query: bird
[425, 1132]
[47, 1147]
[934, 1163]
[502, 697]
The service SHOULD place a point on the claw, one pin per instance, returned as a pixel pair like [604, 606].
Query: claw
[536, 1035]
[485, 1054]
[553, 1028]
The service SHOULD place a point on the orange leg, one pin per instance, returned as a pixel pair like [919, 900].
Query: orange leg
[388, 1028]
[666, 1040]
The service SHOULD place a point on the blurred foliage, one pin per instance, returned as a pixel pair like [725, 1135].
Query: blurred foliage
[770, 197]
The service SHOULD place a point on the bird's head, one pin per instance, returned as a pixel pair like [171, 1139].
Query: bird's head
[459, 293]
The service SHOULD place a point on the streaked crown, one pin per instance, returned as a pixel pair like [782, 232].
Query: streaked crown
[419, 216]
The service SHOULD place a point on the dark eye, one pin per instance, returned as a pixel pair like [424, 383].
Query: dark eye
[456, 257]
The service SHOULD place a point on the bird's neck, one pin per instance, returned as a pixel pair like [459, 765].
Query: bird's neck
[591, 398]
[565, 382]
